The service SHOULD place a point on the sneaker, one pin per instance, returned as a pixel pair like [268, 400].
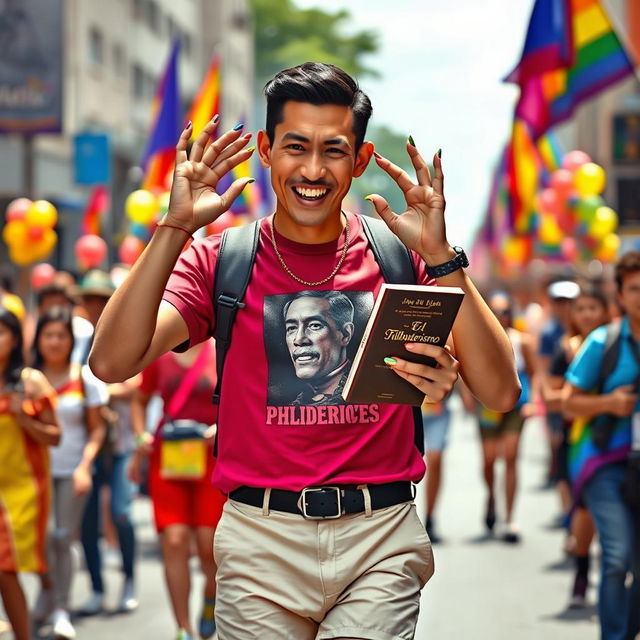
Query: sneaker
[128, 600]
[43, 606]
[183, 634]
[431, 531]
[207, 625]
[579, 594]
[62, 627]
[511, 534]
[93, 605]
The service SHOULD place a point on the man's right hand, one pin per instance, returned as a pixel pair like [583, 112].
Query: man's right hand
[194, 202]
[622, 401]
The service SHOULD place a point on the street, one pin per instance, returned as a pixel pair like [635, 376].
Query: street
[482, 588]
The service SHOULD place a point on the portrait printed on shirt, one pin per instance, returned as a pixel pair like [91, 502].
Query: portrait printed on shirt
[311, 338]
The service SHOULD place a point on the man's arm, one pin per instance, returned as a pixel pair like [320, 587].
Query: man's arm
[135, 328]
[578, 402]
[482, 347]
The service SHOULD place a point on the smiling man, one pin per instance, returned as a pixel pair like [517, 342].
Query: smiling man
[319, 538]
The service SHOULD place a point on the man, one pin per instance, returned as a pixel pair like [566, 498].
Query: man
[319, 327]
[616, 522]
[283, 570]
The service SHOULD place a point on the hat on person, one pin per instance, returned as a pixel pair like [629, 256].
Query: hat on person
[96, 283]
[563, 290]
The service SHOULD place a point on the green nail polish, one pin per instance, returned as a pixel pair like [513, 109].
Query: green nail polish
[392, 362]
[439, 153]
[250, 181]
[368, 198]
[411, 142]
[252, 149]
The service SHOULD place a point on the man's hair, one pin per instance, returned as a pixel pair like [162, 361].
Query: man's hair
[317, 83]
[53, 290]
[340, 307]
[629, 263]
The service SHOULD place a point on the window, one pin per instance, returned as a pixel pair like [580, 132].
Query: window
[96, 46]
[137, 79]
[153, 16]
[118, 60]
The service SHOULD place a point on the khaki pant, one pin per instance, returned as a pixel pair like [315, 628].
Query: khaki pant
[281, 577]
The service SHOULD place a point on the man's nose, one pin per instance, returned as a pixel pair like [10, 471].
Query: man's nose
[313, 168]
[300, 337]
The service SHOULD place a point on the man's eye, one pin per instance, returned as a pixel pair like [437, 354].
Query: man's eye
[295, 147]
[315, 326]
[337, 151]
[290, 329]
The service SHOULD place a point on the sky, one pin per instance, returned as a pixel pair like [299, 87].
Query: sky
[441, 66]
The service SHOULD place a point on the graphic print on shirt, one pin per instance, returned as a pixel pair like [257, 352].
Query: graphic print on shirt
[311, 338]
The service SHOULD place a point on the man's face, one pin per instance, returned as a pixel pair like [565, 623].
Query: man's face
[629, 295]
[313, 160]
[54, 300]
[315, 344]
[561, 309]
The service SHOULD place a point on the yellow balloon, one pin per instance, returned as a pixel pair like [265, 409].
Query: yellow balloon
[590, 179]
[549, 232]
[13, 303]
[141, 206]
[23, 255]
[15, 233]
[608, 249]
[41, 214]
[46, 245]
[605, 221]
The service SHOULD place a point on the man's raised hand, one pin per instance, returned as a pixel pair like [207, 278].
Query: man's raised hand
[194, 201]
[421, 227]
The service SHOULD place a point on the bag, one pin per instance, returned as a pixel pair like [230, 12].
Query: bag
[183, 449]
[236, 256]
[631, 483]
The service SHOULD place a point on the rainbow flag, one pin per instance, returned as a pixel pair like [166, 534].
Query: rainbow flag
[571, 53]
[97, 205]
[207, 102]
[159, 156]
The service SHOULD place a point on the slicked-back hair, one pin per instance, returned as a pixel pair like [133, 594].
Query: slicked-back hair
[629, 263]
[317, 83]
[340, 306]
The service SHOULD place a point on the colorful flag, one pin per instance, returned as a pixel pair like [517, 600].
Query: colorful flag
[571, 53]
[207, 103]
[159, 156]
[97, 205]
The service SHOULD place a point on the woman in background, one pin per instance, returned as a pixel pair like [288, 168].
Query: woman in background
[28, 427]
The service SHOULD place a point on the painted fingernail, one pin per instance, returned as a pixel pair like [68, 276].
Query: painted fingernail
[188, 125]
[368, 198]
[376, 154]
[248, 136]
[410, 346]
[238, 126]
[439, 153]
[215, 119]
[251, 149]
[392, 362]
[411, 142]
[251, 180]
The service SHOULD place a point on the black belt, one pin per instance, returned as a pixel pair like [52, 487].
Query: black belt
[319, 503]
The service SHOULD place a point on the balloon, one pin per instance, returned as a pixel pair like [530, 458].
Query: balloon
[15, 233]
[42, 214]
[574, 159]
[13, 303]
[562, 182]
[605, 221]
[567, 222]
[22, 255]
[141, 206]
[130, 249]
[140, 231]
[550, 233]
[17, 209]
[48, 242]
[90, 250]
[608, 249]
[549, 201]
[42, 275]
[587, 207]
[163, 202]
[569, 248]
[590, 179]
[35, 234]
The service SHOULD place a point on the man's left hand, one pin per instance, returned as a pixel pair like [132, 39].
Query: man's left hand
[435, 382]
[421, 227]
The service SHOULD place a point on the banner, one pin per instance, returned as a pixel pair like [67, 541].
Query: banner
[31, 66]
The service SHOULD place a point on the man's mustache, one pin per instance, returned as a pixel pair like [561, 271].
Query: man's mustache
[299, 353]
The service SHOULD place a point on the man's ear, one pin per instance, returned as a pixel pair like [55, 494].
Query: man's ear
[264, 149]
[362, 158]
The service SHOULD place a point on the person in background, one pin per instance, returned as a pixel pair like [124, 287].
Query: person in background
[29, 426]
[500, 432]
[601, 478]
[589, 311]
[183, 509]
[80, 397]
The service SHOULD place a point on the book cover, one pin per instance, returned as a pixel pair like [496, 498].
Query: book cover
[401, 314]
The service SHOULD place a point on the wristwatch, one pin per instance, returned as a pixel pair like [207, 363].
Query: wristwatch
[459, 262]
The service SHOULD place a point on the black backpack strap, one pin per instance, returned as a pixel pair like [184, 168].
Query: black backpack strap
[397, 267]
[611, 353]
[234, 264]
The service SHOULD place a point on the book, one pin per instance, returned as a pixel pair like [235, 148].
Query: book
[401, 314]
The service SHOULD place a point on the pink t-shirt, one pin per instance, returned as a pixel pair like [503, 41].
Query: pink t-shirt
[281, 421]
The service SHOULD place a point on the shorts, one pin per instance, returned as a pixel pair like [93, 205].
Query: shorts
[436, 430]
[510, 422]
[281, 576]
[195, 503]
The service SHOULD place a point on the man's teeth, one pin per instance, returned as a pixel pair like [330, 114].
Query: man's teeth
[310, 193]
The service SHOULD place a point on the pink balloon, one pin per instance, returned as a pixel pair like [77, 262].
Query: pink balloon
[17, 209]
[549, 201]
[562, 182]
[91, 250]
[569, 249]
[42, 275]
[130, 249]
[574, 159]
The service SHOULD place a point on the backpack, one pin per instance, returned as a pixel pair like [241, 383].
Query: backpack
[234, 265]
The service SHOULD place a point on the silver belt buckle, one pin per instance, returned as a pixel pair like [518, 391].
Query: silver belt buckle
[302, 503]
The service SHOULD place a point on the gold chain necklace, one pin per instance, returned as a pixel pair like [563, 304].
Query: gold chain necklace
[300, 280]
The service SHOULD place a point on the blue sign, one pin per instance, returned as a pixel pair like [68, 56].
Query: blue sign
[92, 160]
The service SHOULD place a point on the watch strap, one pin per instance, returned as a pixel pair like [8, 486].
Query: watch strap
[460, 261]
